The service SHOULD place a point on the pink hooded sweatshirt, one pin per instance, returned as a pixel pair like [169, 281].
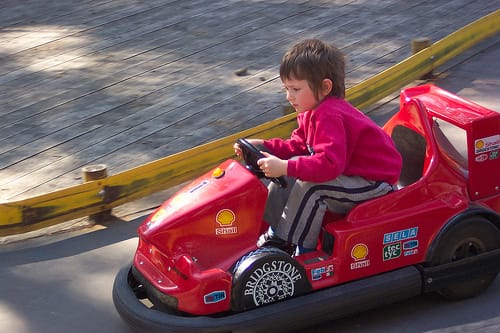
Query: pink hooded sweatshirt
[337, 139]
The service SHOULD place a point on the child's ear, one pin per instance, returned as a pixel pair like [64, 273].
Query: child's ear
[326, 87]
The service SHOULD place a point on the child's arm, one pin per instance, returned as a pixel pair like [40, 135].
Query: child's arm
[294, 146]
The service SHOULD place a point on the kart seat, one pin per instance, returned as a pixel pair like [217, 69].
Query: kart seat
[412, 147]
[450, 152]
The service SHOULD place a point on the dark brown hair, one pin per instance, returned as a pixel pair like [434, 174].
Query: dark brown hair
[313, 60]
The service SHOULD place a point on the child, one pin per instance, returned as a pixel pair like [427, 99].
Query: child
[335, 159]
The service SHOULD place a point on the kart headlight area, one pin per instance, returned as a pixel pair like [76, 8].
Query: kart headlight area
[178, 283]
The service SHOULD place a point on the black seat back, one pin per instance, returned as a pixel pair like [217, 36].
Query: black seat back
[412, 147]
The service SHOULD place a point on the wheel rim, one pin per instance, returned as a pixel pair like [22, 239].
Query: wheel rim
[273, 286]
[468, 248]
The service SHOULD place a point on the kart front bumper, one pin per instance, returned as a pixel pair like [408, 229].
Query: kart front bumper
[323, 305]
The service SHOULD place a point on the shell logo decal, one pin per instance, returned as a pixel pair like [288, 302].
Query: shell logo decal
[359, 252]
[487, 144]
[225, 217]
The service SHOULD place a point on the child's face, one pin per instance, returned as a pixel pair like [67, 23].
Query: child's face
[300, 95]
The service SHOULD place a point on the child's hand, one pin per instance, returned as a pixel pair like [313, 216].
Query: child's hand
[272, 166]
[237, 149]
[255, 142]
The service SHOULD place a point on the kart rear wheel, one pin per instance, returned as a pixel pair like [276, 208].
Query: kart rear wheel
[468, 238]
[265, 276]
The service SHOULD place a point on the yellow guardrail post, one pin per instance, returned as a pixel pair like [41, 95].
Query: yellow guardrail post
[93, 197]
[97, 172]
[417, 45]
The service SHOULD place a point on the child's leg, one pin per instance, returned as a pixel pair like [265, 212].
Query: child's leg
[276, 200]
[353, 190]
[275, 204]
[303, 214]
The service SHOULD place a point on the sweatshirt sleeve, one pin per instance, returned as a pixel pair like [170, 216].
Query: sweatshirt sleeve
[294, 146]
[329, 158]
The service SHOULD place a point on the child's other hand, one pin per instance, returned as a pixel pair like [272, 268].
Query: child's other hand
[272, 166]
[237, 149]
[255, 142]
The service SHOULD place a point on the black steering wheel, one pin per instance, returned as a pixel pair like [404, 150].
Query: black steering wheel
[251, 155]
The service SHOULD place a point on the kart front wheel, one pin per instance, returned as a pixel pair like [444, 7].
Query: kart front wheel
[468, 238]
[265, 276]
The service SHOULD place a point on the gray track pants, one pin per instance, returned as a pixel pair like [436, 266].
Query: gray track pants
[296, 213]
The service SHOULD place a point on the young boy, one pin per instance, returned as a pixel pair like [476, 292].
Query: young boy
[335, 159]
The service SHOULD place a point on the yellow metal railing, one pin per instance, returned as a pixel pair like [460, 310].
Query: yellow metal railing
[100, 195]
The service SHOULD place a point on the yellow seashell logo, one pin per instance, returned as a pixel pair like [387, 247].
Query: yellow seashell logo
[359, 252]
[479, 144]
[225, 217]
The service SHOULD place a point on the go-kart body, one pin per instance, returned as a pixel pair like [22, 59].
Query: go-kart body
[198, 263]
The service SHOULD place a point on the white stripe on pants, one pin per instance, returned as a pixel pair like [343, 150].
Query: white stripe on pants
[296, 213]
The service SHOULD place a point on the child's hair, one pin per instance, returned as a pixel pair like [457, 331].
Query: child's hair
[313, 60]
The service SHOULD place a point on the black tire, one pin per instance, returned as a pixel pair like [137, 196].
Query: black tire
[471, 236]
[265, 276]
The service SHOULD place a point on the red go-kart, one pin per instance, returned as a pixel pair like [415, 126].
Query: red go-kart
[197, 267]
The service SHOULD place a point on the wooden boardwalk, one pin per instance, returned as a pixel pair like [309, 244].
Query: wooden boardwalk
[127, 82]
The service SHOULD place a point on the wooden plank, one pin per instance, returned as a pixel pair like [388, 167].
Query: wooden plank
[33, 213]
[98, 52]
[115, 190]
[136, 104]
[156, 66]
[38, 145]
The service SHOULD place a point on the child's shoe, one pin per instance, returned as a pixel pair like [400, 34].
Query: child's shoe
[270, 239]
